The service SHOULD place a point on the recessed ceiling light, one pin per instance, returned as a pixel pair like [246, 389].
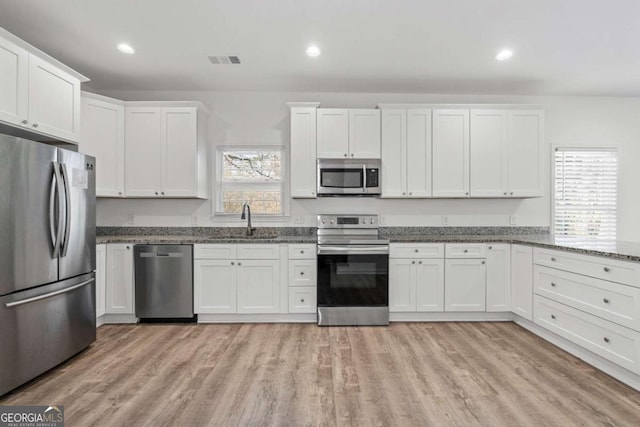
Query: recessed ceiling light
[313, 51]
[126, 48]
[503, 55]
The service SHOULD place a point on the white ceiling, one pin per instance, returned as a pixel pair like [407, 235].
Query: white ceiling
[576, 47]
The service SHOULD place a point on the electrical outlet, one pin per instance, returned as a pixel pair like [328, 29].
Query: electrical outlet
[383, 220]
[298, 220]
[445, 220]
[131, 219]
[194, 220]
[512, 220]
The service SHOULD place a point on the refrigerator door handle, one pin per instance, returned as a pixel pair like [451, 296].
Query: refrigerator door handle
[54, 197]
[67, 227]
[49, 295]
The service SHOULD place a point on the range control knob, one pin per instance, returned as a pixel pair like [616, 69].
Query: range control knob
[324, 220]
[371, 221]
[331, 222]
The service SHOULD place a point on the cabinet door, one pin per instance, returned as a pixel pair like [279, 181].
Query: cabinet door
[179, 153]
[524, 155]
[364, 133]
[143, 145]
[418, 153]
[214, 286]
[465, 281]
[303, 153]
[488, 159]
[54, 100]
[450, 153]
[402, 285]
[333, 133]
[430, 285]
[258, 286]
[498, 277]
[522, 281]
[119, 285]
[103, 138]
[101, 279]
[394, 152]
[14, 90]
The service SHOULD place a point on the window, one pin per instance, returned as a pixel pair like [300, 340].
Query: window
[586, 184]
[251, 175]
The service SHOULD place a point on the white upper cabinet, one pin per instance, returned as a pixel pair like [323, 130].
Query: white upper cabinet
[525, 130]
[14, 89]
[103, 138]
[165, 152]
[506, 153]
[37, 92]
[303, 150]
[364, 133]
[348, 133]
[488, 153]
[406, 152]
[450, 153]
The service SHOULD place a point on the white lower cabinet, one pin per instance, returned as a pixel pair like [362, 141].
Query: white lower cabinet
[101, 279]
[119, 279]
[302, 299]
[402, 285]
[522, 281]
[430, 285]
[302, 278]
[465, 285]
[224, 283]
[498, 277]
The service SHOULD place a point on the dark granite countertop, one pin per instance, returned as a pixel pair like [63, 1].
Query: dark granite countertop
[168, 239]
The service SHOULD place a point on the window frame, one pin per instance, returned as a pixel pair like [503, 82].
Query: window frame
[216, 196]
[552, 184]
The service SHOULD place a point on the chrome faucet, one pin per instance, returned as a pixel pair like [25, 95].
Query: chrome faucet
[250, 229]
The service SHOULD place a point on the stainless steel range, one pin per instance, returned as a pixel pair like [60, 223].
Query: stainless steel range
[353, 271]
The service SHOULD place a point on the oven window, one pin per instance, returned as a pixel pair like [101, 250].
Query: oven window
[353, 280]
[341, 178]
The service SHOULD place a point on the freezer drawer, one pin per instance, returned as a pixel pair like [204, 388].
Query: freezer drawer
[44, 326]
[163, 281]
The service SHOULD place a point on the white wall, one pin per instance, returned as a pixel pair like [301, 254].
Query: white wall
[254, 118]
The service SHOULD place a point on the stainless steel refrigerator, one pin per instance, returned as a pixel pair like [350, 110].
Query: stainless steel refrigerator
[47, 258]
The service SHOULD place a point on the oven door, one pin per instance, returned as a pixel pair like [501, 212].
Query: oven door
[353, 276]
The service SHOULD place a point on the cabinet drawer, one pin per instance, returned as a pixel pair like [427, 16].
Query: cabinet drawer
[416, 250]
[611, 301]
[302, 300]
[214, 251]
[465, 250]
[302, 272]
[302, 251]
[613, 342]
[259, 251]
[589, 265]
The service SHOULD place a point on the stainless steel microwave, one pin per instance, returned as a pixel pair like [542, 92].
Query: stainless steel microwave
[348, 177]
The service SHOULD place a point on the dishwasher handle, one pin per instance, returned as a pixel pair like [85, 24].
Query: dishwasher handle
[162, 254]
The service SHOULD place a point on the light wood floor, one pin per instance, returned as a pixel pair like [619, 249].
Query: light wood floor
[292, 375]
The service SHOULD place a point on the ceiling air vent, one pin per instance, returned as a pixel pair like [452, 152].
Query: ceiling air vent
[224, 60]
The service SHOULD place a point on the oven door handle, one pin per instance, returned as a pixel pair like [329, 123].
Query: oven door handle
[354, 250]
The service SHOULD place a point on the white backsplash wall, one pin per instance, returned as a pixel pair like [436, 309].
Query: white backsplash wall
[254, 118]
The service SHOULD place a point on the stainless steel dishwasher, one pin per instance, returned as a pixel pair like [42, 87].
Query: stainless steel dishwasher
[164, 281]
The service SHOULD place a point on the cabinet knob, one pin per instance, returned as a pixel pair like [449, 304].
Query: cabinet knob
[490, 247]
[411, 194]
[35, 125]
[466, 194]
[419, 262]
[606, 269]
[239, 263]
[511, 193]
[351, 154]
[484, 262]
[119, 193]
[233, 263]
[505, 193]
[553, 285]
[345, 154]
[127, 247]
[606, 300]
[302, 273]
[156, 193]
[416, 250]
[466, 250]
[553, 259]
[24, 122]
[302, 300]
[301, 252]
[313, 193]
[553, 316]
[413, 262]
[404, 194]
[163, 193]
[606, 339]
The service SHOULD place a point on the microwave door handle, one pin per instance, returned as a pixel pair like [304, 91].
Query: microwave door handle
[364, 178]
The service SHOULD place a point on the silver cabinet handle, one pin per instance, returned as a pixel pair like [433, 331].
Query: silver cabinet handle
[606, 269]
[49, 295]
[605, 300]
[606, 339]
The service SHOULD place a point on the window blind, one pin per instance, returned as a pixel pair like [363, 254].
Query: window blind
[586, 187]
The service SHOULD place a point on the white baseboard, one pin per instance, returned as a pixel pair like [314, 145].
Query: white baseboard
[118, 318]
[99, 321]
[450, 317]
[258, 318]
[623, 375]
